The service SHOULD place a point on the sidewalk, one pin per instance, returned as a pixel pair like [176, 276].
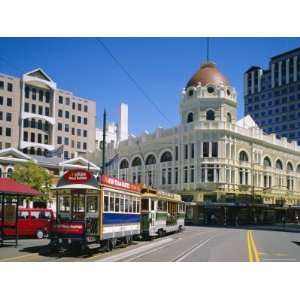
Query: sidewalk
[277, 227]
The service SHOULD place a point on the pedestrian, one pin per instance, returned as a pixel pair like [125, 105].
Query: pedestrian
[297, 219]
[213, 219]
[283, 221]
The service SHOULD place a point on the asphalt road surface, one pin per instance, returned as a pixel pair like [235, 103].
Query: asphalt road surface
[195, 244]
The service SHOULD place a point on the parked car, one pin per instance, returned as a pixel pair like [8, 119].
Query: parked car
[33, 222]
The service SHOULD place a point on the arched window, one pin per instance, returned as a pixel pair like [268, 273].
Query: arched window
[151, 160]
[243, 156]
[267, 162]
[32, 151]
[298, 168]
[229, 119]
[136, 162]
[190, 118]
[289, 167]
[279, 164]
[9, 172]
[210, 115]
[39, 151]
[167, 156]
[124, 164]
[25, 150]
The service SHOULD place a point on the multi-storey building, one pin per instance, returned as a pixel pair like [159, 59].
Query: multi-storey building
[36, 116]
[272, 96]
[212, 159]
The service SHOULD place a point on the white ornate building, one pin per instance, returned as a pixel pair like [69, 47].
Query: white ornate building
[210, 157]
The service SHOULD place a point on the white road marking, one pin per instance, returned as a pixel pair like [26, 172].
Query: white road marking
[188, 252]
[129, 253]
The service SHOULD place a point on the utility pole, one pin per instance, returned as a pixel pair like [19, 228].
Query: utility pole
[104, 142]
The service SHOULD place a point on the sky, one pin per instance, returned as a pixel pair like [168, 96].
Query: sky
[161, 66]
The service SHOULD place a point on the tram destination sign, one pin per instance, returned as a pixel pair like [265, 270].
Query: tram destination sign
[121, 184]
[77, 176]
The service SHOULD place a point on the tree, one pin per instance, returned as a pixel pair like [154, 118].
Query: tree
[35, 176]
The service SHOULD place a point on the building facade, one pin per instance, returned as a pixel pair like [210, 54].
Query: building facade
[36, 117]
[212, 159]
[272, 96]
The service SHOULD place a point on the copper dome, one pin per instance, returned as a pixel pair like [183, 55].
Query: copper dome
[208, 73]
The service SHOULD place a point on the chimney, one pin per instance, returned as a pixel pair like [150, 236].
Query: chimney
[123, 122]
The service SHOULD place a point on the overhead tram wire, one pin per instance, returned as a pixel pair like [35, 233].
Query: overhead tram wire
[142, 91]
[133, 80]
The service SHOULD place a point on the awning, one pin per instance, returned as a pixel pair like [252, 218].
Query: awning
[76, 187]
[12, 187]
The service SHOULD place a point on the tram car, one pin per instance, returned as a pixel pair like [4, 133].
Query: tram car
[161, 212]
[95, 213]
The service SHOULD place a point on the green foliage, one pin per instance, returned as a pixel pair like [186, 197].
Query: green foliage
[35, 176]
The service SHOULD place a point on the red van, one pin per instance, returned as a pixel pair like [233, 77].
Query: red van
[36, 222]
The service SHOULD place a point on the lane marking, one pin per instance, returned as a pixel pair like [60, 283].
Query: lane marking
[250, 255]
[188, 252]
[129, 253]
[140, 251]
[253, 254]
[256, 255]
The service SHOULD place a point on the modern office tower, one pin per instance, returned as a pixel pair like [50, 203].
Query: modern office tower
[272, 96]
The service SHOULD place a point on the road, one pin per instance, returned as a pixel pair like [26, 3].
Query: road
[195, 244]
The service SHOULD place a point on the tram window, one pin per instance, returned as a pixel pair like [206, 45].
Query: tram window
[145, 204]
[138, 206]
[78, 203]
[152, 204]
[122, 203]
[111, 202]
[105, 202]
[159, 205]
[164, 206]
[130, 205]
[92, 204]
[134, 206]
[126, 205]
[64, 204]
[117, 204]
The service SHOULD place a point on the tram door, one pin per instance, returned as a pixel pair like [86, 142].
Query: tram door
[85, 208]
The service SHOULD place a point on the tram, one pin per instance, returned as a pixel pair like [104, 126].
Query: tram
[161, 212]
[95, 213]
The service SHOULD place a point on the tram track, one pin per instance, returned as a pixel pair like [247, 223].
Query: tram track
[196, 246]
[135, 254]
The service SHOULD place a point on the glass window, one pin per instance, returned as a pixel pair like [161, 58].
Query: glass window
[117, 203]
[85, 108]
[64, 204]
[92, 204]
[112, 202]
[23, 215]
[106, 202]
[130, 205]
[214, 149]
[205, 149]
[122, 208]
[145, 204]
[126, 205]
[138, 206]
[152, 201]
[41, 95]
[9, 101]
[134, 206]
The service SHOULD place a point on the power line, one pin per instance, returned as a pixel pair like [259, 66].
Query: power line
[133, 80]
